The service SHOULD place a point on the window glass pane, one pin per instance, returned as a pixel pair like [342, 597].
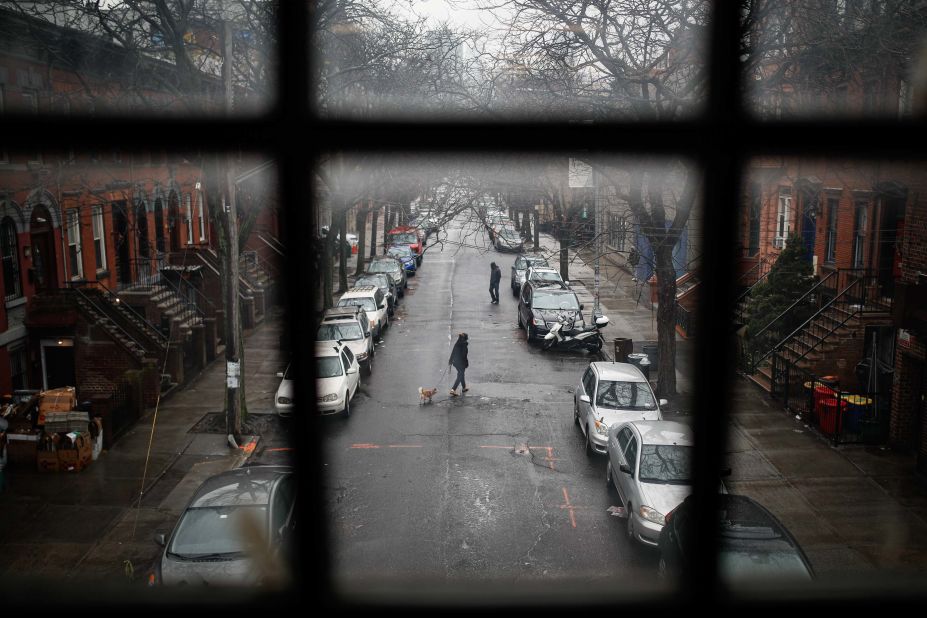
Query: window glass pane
[139, 58]
[809, 58]
[560, 60]
[509, 482]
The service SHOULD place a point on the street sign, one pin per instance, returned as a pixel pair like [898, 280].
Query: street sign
[232, 372]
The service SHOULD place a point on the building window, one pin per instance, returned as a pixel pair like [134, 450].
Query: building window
[19, 368]
[782, 217]
[99, 242]
[188, 208]
[859, 233]
[830, 251]
[199, 199]
[9, 251]
[74, 253]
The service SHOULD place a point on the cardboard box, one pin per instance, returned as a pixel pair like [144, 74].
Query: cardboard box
[75, 452]
[62, 399]
[47, 461]
[63, 422]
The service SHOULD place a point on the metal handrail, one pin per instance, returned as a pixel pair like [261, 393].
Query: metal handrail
[817, 314]
[160, 338]
[759, 280]
[190, 308]
[794, 304]
[76, 286]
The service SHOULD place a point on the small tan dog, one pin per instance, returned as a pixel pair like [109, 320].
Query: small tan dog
[425, 394]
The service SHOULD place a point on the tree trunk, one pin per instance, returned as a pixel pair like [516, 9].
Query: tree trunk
[373, 232]
[344, 253]
[328, 266]
[361, 239]
[666, 317]
[564, 252]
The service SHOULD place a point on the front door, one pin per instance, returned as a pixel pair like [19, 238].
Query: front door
[808, 225]
[44, 273]
[891, 228]
[58, 363]
[121, 232]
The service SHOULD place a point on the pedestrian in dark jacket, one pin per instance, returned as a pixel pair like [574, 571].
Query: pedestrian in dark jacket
[495, 275]
[459, 360]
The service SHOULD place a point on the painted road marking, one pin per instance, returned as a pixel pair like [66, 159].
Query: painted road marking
[275, 450]
[566, 505]
[522, 449]
[369, 445]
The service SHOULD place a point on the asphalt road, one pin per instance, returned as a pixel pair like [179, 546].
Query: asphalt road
[490, 486]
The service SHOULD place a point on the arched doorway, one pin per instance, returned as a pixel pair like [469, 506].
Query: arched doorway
[159, 225]
[173, 221]
[44, 271]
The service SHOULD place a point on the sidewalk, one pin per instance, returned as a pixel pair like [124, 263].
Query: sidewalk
[854, 509]
[92, 525]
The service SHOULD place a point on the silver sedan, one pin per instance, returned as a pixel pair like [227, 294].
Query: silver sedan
[649, 464]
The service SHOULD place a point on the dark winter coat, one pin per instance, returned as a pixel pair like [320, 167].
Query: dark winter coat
[459, 355]
[496, 276]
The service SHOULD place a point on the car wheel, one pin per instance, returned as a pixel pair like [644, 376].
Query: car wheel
[347, 405]
[597, 346]
[575, 413]
[519, 319]
[369, 366]
[548, 344]
[515, 291]
[608, 474]
[589, 449]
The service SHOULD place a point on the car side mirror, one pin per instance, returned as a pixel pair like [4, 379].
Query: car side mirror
[581, 306]
[160, 538]
[664, 402]
[585, 398]
[352, 369]
[624, 468]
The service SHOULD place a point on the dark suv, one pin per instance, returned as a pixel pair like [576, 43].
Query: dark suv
[541, 303]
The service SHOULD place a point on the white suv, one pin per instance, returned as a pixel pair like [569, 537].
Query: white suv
[370, 299]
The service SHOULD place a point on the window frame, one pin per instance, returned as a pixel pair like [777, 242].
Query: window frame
[9, 238]
[75, 257]
[722, 138]
[99, 241]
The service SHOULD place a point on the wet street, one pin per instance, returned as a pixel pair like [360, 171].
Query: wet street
[491, 485]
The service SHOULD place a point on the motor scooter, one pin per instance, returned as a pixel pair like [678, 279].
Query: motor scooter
[563, 334]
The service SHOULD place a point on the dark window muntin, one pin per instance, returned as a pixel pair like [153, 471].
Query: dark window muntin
[722, 139]
[9, 253]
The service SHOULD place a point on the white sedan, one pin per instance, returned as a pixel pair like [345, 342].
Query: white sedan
[337, 376]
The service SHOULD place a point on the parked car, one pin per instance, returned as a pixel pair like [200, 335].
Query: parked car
[610, 393]
[540, 305]
[520, 269]
[405, 255]
[214, 543]
[337, 376]
[370, 299]
[650, 465]
[392, 267]
[283, 398]
[753, 544]
[407, 235]
[544, 274]
[507, 239]
[355, 313]
[386, 284]
[348, 331]
[429, 225]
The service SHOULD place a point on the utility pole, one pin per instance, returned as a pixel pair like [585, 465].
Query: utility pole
[232, 309]
[598, 236]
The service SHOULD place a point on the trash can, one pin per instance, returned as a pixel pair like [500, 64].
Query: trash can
[640, 360]
[623, 347]
[828, 409]
[652, 352]
[856, 408]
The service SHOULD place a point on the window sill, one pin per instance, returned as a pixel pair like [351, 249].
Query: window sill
[102, 274]
[16, 302]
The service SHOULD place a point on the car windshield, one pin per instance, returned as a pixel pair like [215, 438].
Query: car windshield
[545, 276]
[625, 395]
[215, 532]
[555, 301]
[666, 463]
[328, 367]
[347, 332]
[382, 266]
[377, 281]
[400, 251]
[405, 237]
[535, 262]
[366, 304]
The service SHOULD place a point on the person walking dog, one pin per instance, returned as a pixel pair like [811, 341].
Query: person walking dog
[459, 360]
[495, 276]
